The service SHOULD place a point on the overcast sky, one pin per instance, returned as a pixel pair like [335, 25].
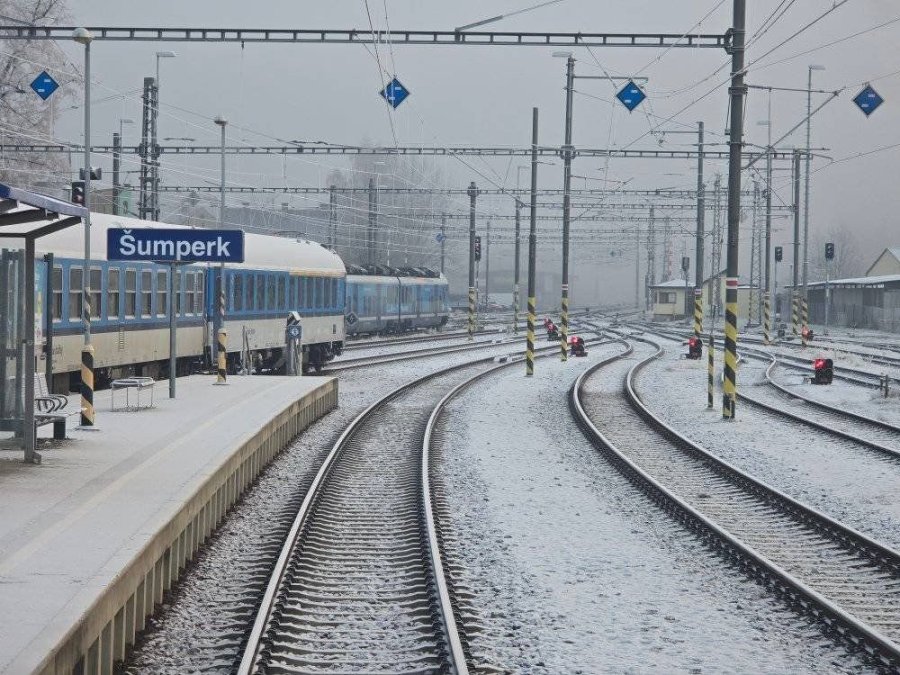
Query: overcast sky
[484, 95]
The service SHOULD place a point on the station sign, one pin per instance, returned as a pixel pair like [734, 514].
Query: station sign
[175, 245]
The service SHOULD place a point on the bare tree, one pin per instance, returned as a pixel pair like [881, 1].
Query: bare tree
[848, 261]
[24, 116]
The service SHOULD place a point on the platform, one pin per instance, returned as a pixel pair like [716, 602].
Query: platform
[91, 538]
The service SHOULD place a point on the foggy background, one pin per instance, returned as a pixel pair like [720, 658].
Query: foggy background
[482, 96]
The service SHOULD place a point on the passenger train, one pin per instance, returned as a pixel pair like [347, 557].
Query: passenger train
[130, 305]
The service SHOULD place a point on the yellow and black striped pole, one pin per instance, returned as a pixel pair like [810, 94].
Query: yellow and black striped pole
[804, 320]
[564, 325]
[87, 385]
[710, 370]
[730, 367]
[795, 313]
[221, 353]
[767, 321]
[471, 313]
[529, 339]
[698, 312]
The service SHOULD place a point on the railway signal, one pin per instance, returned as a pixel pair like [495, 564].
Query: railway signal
[829, 251]
[695, 348]
[779, 254]
[78, 192]
[823, 371]
[477, 249]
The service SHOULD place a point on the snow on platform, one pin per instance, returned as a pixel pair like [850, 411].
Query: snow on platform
[71, 527]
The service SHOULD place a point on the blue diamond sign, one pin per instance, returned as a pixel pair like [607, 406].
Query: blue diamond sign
[868, 100]
[631, 96]
[44, 85]
[394, 93]
[439, 237]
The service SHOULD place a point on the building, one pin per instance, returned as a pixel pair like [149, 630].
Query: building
[886, 264]
[863, 302]
[667, 299]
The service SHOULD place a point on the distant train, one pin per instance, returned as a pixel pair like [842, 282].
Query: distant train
[392, 300]
[130, 305]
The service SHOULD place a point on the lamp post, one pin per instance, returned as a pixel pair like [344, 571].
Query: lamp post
[810, 70]
[221, 122]
[83, 36]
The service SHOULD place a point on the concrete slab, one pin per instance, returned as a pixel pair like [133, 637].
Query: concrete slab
[71, 526]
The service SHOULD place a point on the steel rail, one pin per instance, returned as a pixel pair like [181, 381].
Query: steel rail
[748, 559]
[251, 655]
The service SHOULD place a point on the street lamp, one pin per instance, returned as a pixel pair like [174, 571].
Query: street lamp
[83, 36]
[810, 70]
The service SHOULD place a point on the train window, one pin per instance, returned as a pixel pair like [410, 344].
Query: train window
[251, 290]
[95, 291]
[326, 292]
[112, 293]
[162, 293]
[237, 294]
[198, 293]
[130, 292]
[260, 292]
[56, 281]
[307, 293]
[320, 293]
[280, 302]
[178, 306]
[270, 292]
[146, 292]
[189, 279]
[75, 293]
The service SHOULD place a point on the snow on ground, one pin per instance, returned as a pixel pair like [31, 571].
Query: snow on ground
[575, 571]
[842, 394]
[200, 627]
[383, 350]
[855, 486]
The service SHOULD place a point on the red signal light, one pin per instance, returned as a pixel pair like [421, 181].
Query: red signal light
[818, 364]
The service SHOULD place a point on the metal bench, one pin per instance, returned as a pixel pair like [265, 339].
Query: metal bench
[138, 384]
[50, 408]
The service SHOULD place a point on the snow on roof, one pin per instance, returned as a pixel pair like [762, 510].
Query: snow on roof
[860, 281]
[671, 283]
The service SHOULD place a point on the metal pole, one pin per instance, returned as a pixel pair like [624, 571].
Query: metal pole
[370, 257]
[443, 239]
[637, 268]
[221, 358]
[173, 354]
[737, 93]
[487, 265]
[698, 253]
[795, 296]
[567, 199]
[767, 331]
[806, 181]
[532, 247]
[28, 411]
[827, 293]
[517, 254]
[48, 322]
[87, 352]
[117, 159]
[473, 193]
[332, 217]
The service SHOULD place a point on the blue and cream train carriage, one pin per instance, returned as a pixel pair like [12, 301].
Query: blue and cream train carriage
[130, 305]
[391, 300]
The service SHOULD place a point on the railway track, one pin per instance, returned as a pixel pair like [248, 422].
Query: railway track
[871, 433]
[844, 579]
[359, 586]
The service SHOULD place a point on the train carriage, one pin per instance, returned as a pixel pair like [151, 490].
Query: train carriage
[391, 300]
[130, 305]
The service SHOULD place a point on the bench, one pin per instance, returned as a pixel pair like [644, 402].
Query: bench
[49, 408]
[132, 383]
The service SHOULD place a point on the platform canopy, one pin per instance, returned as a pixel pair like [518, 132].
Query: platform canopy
[24, 216]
